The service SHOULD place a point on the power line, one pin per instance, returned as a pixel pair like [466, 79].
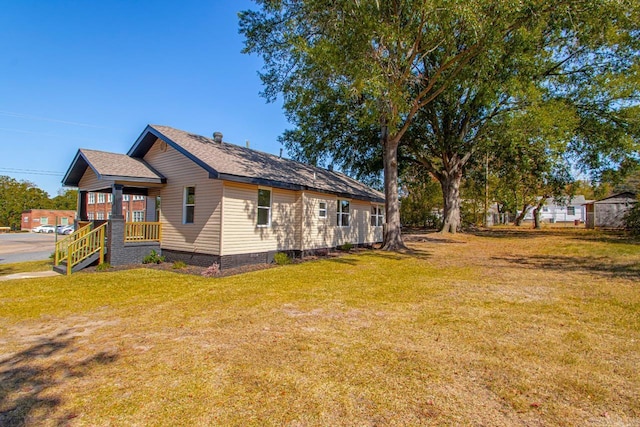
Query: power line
[30, 172]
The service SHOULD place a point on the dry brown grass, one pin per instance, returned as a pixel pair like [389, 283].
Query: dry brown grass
[498, 329]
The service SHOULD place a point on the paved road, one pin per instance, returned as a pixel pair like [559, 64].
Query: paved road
[19, 247]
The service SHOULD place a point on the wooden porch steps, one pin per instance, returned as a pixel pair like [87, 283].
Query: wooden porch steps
[86, 262]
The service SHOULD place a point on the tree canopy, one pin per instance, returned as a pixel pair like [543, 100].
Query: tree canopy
[362, 80]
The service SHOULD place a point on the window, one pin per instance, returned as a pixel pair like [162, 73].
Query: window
[545, 209]
[108, 215]
[322, 210]
[264, 207]
[571, 210]
[26, 219]
[138, 216]
[377, 216]
[343, 213]
[92, 198]
[64, 221]
[110, 198]
[125, 198]
[90, 216]
[189, 205]
[100, 197]
[44, 220]
[138, 197]
[100, 216]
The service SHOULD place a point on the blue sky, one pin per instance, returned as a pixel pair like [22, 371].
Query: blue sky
[79, 74]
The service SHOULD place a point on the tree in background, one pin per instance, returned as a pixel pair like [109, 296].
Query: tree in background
[65, 200]
[420, 199]
[376, 64]
[367, 78]
[18, 196]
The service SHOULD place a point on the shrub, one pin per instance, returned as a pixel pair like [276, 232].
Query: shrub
[179, 265]
[153, 258]
[281, 258]
[346, 247]
[104, 266]
[212, 271]
[632, 220]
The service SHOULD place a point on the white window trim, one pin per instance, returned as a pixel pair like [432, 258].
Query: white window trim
[258, 207]
[185, 205]
[322, 210]
[379, 216]
[339, 213]
[91, 199]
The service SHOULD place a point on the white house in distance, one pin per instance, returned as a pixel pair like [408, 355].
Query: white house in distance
[220, 202]
[569, 212]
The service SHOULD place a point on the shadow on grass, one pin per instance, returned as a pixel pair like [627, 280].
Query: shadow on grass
[615, 237]
[379, 253]
[26, 380]
[596, 266]
[524, 233]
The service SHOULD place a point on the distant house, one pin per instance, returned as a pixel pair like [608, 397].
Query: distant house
[219, 202]
[610, 211]
[553, 212]
[35, 217]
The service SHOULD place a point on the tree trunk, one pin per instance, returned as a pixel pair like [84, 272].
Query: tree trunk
[450, 183]
[520, 218]
[392, 230]
[536, 213]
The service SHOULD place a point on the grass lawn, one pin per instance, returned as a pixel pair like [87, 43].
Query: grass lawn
[501, 328]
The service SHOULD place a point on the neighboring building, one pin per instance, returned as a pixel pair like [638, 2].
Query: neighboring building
[99, 207]
[571, 211]
[610, 211]
[229, 204]
[36, 217]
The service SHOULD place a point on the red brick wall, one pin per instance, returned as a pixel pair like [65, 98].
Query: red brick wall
[33, 217]
[96, 206]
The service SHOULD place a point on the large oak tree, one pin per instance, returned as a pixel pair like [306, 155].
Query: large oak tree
[358, 76]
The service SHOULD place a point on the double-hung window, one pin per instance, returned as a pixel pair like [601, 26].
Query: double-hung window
[377, 216]
[343, 213]
[264, 207]
[188, 212]
[100, 197]
[92, 199]
[571, 210]
[322, 210]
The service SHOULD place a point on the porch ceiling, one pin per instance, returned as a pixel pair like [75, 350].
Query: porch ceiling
[111, 168]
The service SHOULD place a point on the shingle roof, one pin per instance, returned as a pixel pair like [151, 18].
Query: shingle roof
[114, 164]
[236, 163]
[110, 166]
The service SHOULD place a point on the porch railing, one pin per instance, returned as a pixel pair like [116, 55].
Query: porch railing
[142, 232]
[62, 245]
[78, 249]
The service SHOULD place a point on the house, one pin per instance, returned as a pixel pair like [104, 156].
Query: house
[35, 217]
[98, 206]
[610, 211]
[569, 211]
[220, 202]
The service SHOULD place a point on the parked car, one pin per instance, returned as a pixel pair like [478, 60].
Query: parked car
[65, 229]
[44, 229]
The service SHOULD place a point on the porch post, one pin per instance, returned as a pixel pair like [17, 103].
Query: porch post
[116, 206]
[82, 205]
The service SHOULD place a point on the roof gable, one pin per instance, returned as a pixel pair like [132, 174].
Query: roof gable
[110, 166]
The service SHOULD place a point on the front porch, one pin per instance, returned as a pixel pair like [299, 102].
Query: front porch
[115, 240]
